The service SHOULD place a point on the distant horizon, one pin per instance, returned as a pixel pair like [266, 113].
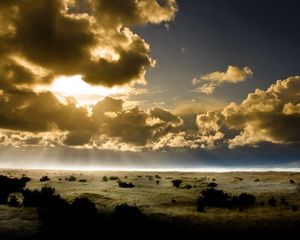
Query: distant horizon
[170, 169]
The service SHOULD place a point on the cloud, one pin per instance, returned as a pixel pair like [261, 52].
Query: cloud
[266, 116]
[232, 75]
[75, 37]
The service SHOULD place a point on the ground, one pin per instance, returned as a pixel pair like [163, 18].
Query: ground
[155, 194]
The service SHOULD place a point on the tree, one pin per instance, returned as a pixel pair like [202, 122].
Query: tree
[177, 183]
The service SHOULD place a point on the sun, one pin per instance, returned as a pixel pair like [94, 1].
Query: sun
[83, 92]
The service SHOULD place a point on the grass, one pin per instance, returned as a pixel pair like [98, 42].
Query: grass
[155, 200]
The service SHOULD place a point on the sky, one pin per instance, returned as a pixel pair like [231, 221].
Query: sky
[149, 84]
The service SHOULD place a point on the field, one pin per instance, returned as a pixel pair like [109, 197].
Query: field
[166, 205]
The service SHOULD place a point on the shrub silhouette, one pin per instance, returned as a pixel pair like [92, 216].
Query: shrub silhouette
[113, 178]
[44, 179]
[105, 179]
[272, 202]
[292, 181]
[55, 211]
[213, 198]
[188, 186]
[13, 201]
[84, 210]
[37, 198]
[212, 185]
[125, 185]
[72, 179]
[246, 200]
[157, 182]
[82, 180]
[125, 215]
[157, 176]
[25, 179]
[8, 186]
[177, 183]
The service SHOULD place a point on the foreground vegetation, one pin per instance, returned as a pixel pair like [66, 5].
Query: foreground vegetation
[213, 213]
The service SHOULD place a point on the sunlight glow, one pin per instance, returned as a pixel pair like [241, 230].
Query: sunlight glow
[83, 92]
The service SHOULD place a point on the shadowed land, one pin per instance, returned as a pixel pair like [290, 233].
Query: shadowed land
[234, 205]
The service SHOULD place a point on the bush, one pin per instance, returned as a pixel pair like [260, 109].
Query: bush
[177, 183]
[82, 180]
[13, 201]
[84, 209]
[157, 182]
[25, 179]
[113, 178]
[272, 202]
[213, 198]
[8, 186]
[105, 179]
[55, 211]
[125, 185]
[126, 214]
[37, 198]
[157, 176]
[188, 186]
[212, 185]
[72, 179]
[245, 200]
[44, 179]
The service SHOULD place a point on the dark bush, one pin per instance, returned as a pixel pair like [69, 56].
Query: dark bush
[83, 210]
[213, 198]
[177, 183]
[157, 176]
[44, 179]
[82, 180]
[125, 184]
[113, 178]
[55, 211]
[72, 179]
[8, 186]
[272, 202]
[126, 214]
[212, 185]
[25, 179]
[105, 179]
[292, 181]
[157, 182]
[256, 180]
[13, 201]
[245, 200]
[188, 186]
[37, 198]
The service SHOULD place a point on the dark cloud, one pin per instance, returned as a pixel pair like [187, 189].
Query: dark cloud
[92, 42]
[37, 112]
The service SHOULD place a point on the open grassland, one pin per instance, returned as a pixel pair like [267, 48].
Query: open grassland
[155, 195]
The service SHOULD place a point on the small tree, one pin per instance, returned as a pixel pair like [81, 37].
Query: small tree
[105, 179]
[125, 184]
[44, 179]
[176, 182]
